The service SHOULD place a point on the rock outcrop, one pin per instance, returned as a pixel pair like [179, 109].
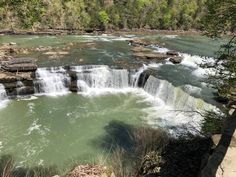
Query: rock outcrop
[19, 65]
[17, 75]
[150, 56]
[73, 81]
[21, 83]
[141, 51]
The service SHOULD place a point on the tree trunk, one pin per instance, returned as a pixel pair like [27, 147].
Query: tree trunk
[215, 159]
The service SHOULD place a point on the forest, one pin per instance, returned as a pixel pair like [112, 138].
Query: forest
[102, 14]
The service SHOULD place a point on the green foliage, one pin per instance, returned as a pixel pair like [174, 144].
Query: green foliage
[212, 122]
[103, 17]
[220, 17]
[81, 14]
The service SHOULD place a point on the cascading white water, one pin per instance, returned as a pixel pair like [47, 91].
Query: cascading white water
[3, 93]
[20, 87]
[178, 107]
[173, 96]
[3, 96]
[169, 103]
[51, 81]
[101, 77]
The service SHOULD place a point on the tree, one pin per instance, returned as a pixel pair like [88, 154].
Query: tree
[104, 18]
[221, 18]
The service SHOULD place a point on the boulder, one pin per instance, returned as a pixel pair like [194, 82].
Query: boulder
[176, 60]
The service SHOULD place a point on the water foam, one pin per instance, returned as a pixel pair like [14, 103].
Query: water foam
[51, 81]
[3, 97]
[106, 38]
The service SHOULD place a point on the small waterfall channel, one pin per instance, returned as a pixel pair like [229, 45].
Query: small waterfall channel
[3, 96]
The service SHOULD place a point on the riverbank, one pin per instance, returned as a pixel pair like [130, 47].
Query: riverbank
[97, 32]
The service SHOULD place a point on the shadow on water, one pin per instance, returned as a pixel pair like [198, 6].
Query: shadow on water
[8, 168]
[118, 134]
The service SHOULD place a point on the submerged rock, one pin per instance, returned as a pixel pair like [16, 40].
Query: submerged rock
[150, 56]
[142, 42]
[141, 49]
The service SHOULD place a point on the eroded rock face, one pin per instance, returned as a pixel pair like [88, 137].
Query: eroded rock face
[144, 76]
[19, 65]
[18, 83]
[73, 81]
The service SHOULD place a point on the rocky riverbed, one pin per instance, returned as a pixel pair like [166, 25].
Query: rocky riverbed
[142, 51]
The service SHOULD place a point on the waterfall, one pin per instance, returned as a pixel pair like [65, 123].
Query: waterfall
[173, 96]
[100, 77]
[168, 103]
[51, 81]
[3, 96]
[19, 88]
